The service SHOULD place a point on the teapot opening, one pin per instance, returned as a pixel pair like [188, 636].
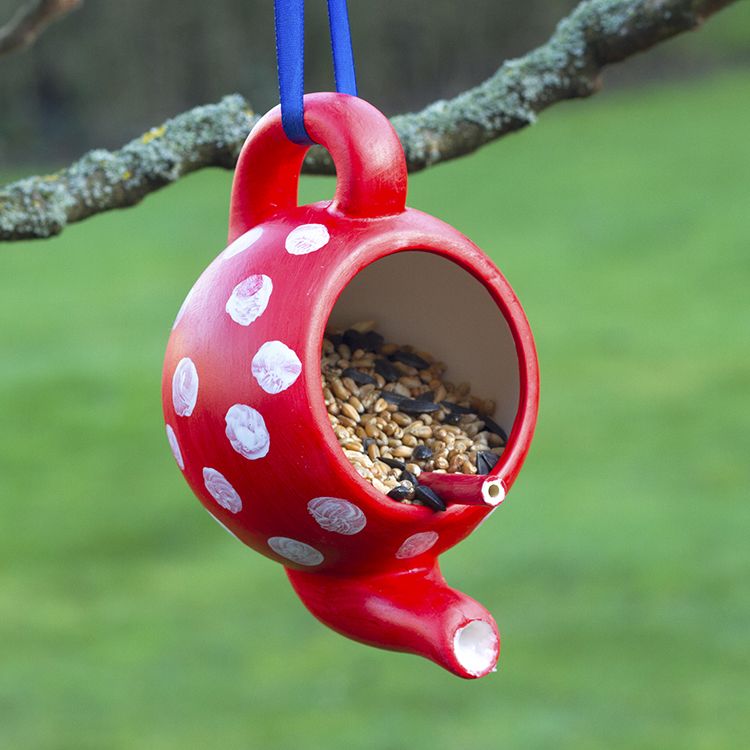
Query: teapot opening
[418, 298]
[476, 647]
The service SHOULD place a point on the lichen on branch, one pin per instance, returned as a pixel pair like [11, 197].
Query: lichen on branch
[205, 136]
[596, 34]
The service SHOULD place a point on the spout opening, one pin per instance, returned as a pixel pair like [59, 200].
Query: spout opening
[476, 647]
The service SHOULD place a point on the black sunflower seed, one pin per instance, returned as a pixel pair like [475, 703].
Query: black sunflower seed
[410, 359]
[407, 476]
[372, 341]
[367, 442]
[354, 339]
[392, 398]
[455, 408]
[427, 396]
[452, 418]
[335, 338]
[429, 497]
[487, 460]
[399, 492]
[492, 426]
[387, 370]
[482, 466]
[359, 377]
[421, 453]
[417, 406]
[394, 463]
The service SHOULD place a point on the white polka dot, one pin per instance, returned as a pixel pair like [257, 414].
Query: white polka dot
[334, 514]
[306, 238]
[220, 490]
[242, 243]
[185, 387]
[275, 366]
[175, 446]
[249, 299]
[297, 552]
[416, 544]
[246, 430]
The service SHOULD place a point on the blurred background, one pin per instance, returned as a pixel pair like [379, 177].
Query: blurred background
[618, 567]
[112, 70]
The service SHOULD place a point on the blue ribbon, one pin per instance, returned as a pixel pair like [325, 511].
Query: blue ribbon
[341, 47]
[289, 18]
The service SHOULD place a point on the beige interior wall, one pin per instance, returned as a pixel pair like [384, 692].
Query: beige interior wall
[422, 299]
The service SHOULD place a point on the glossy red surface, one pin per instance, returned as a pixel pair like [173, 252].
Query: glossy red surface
[242, 388]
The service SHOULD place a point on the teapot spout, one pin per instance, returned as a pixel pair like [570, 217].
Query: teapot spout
[413, 610]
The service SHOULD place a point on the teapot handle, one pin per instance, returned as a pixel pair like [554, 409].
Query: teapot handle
[366, 152]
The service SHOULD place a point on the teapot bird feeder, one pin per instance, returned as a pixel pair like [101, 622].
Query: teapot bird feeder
[242, 388]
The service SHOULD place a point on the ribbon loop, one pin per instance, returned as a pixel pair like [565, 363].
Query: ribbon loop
[289, 17]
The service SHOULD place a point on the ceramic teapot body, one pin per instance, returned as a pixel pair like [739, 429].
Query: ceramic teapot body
[242, 387]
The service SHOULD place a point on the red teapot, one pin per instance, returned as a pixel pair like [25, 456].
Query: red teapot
[242, 387]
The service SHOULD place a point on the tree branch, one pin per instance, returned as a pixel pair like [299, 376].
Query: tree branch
[30, 21]
[596, 34]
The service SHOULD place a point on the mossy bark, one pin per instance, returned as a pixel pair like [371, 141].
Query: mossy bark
[597, 33]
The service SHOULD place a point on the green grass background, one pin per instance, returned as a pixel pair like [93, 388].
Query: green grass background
[617, 569]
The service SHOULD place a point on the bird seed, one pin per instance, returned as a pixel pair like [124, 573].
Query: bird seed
[396, 417]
